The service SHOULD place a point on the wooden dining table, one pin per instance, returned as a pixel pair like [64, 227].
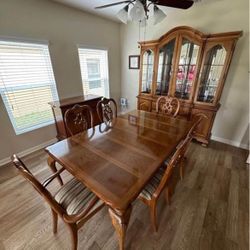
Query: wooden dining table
[116, 162]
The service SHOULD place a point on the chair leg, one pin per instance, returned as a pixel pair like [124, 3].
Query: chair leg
[74, 235]
[168, 195]
[55, 220]
[153, 214]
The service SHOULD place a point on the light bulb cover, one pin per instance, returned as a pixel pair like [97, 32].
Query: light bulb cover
[137, 12]
[159, 15]
[123, 14]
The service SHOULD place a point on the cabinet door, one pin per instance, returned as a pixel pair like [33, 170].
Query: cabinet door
[213, 72]
[147, 71]
[187, 66]
[165, 67]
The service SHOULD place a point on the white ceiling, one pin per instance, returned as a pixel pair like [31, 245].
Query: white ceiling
[89, 6]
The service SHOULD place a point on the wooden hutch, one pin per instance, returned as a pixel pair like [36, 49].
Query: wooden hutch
[189, 65]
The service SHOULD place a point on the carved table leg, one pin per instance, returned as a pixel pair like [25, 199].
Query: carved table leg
[120, 220]
[52, 165]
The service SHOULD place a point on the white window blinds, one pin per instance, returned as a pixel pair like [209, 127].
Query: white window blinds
[27, 84]
[94, 71]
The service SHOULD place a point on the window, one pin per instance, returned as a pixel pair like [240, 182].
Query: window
[27, 84]
[94, 71]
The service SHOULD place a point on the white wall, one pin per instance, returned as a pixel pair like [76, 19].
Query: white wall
[64, 28]
[231, 123]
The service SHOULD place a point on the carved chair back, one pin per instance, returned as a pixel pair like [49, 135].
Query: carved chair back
[39, 187]
[168, 171]
[168, 105]
[197, 120]
[78, 119]
[107, 110]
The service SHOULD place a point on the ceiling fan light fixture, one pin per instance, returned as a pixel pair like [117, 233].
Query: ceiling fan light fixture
[123, 14]
[137, 13]
[159, 15]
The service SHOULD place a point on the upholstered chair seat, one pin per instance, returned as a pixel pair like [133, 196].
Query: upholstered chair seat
[152, 185]
[75, 197]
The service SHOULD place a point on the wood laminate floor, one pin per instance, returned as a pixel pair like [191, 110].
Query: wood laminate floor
[209, 209]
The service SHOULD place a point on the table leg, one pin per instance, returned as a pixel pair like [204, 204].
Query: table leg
[120, 220]
[52, 165]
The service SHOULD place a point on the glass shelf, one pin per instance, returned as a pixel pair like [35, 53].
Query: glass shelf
[186, 69]
[147, 71]
[165, 68]
[211, 74]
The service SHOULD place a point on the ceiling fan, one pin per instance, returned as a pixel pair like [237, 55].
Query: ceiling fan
[140, 8]
[180, 4]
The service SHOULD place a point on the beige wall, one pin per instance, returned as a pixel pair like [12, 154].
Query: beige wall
[63, 27]
[231, 123]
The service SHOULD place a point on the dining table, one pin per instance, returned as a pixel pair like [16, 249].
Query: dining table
[116, 162]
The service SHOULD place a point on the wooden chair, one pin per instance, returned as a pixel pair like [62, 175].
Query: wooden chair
[107, 111]
[78, 119]
[73, 202]
[168, 105]
[151, 192]
[198, 118]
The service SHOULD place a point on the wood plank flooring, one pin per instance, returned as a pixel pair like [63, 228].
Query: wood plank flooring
[209, 209]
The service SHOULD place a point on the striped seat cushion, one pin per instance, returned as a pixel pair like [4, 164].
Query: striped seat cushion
[152, 185]
[74, 197]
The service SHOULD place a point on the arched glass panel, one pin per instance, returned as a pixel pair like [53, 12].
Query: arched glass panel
[165, 68]
[186, 69]
[211, 73]
[147, 71]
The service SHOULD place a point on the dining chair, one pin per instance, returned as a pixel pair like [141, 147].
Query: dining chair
[153, 189]
[168, 105]
[198, 118]
[78, 119]
[73, 201]
[107, 110]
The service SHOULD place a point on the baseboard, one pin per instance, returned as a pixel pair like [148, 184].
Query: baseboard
[230, 142]
[28, 151]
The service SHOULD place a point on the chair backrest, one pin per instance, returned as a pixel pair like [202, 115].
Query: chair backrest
[24, 171]
[198, 118]
[78, 119]
[107, 110]
[168, 105]
[169, 169]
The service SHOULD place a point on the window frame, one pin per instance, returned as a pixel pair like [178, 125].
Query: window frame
[4, 94]
[87, 47]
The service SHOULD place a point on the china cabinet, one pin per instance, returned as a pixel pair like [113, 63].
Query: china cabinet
[190, 65]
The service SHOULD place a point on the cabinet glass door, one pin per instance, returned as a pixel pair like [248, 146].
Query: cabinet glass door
[211, 73]
[147, 71]
[186, 69]
[165, 68]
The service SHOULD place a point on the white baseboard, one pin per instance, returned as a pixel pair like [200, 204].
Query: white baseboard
[28, 151]
[230, 142]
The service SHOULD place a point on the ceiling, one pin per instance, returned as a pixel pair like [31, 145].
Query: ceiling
[89, 5]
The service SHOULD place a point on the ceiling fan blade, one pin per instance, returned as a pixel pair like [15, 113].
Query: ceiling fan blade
[112, 4]
[180, 4]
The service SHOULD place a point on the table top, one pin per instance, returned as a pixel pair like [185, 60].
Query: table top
[117, 163]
